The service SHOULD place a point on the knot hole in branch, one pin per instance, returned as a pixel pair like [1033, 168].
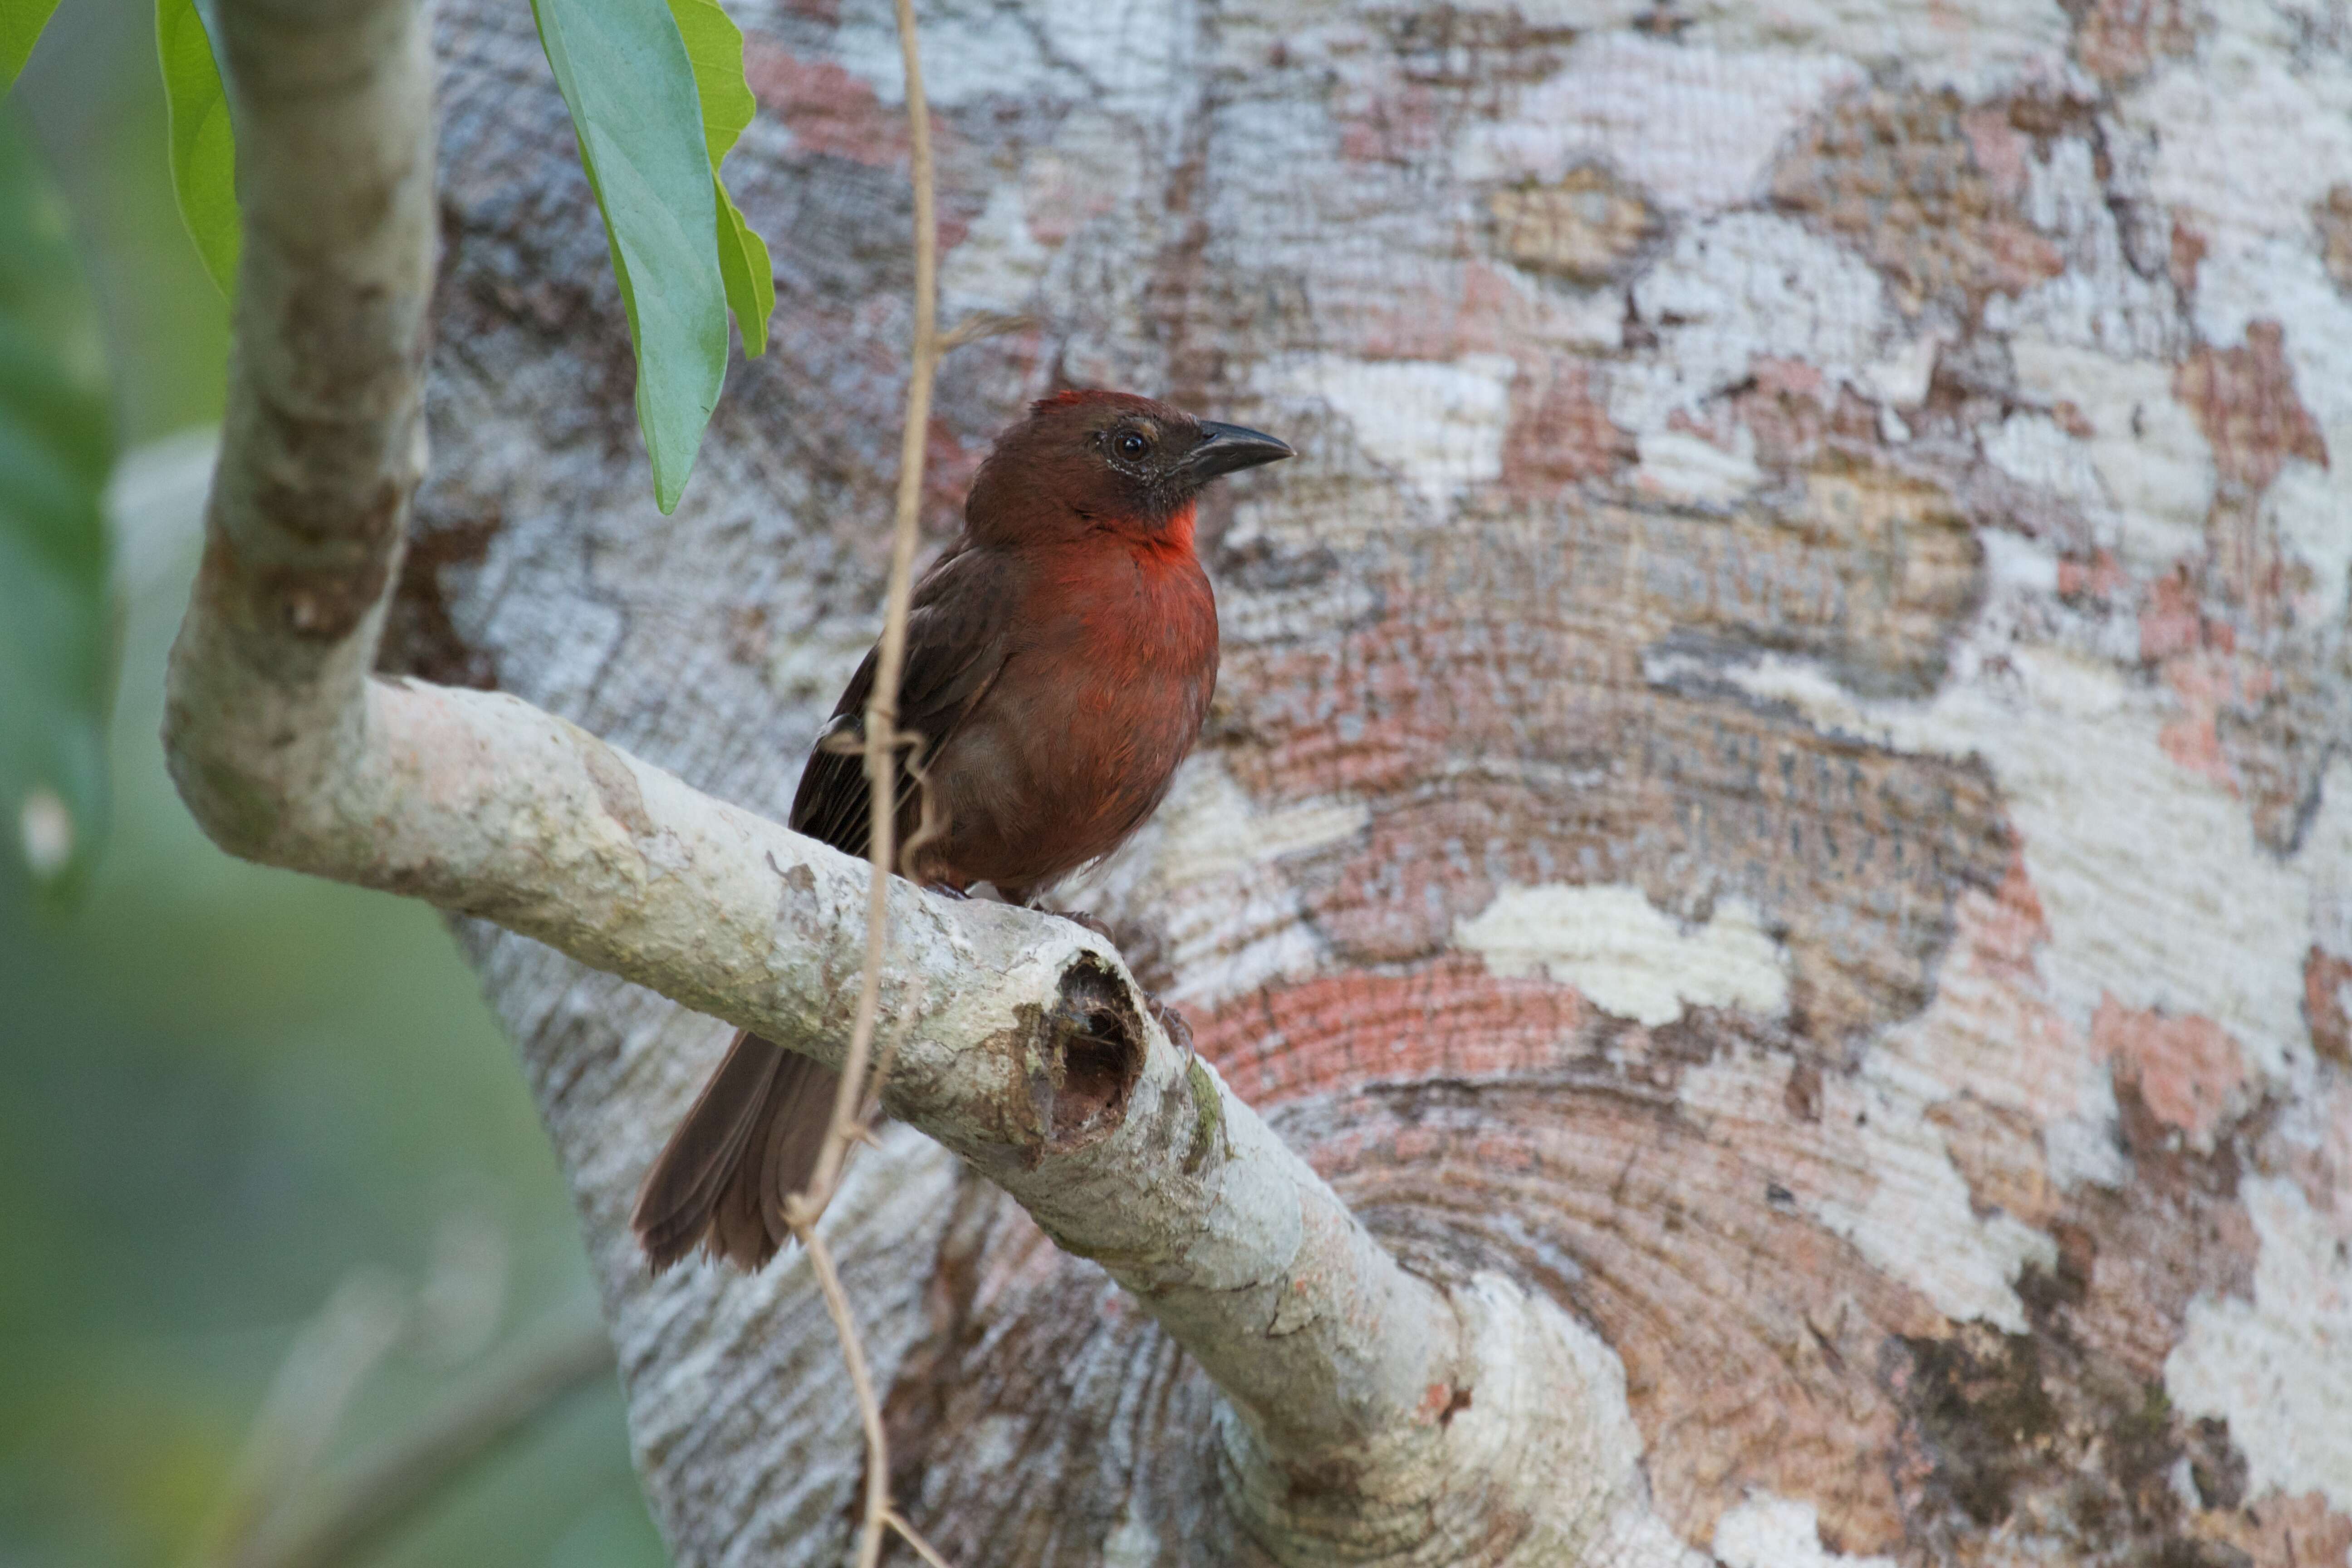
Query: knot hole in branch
[1090, 1056]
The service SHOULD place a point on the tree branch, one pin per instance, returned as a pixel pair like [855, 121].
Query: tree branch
[1381, 1417]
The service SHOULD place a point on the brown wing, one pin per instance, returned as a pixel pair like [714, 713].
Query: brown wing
[753, 1137]
[957, 641]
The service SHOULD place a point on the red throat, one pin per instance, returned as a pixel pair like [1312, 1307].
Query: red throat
[1171, 545]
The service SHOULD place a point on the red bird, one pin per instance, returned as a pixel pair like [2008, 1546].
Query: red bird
[1059, 661]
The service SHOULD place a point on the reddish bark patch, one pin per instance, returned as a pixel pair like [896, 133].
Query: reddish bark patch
[1997, 1150]
[2186, 1070]
[1559, 433]
[2282, 1532]
[2264, 708]
[2244, 400]
[1997, 1040]
[1446, 1019]
[1752, 1337]
[828, 110]
[2279, 747]
[2333, 214]
[2096, 578]
[2142, 1252]
[2186, 254]
[1998, 148]
[1799, 423]
[2118, 40]
[2172, 620]
[1899, 176]
[1499, 721]
[2327, 1005]
[1400, 123]
[2211, 685]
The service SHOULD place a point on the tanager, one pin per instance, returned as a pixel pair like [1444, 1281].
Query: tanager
[1060, 658]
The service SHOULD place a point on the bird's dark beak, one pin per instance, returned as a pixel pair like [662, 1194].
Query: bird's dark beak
[1225, 448]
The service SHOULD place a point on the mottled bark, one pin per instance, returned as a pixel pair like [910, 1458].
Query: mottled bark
[1778, 778]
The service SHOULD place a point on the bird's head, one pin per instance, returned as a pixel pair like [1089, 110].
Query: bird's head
[1088, 459]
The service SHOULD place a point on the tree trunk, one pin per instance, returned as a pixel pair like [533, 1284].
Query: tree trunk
[1778, 778]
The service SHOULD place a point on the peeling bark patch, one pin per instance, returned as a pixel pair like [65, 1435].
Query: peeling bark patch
[2287, 720]
[617, 787]
[1799, 423]
[2333, 214]
[2186, 1070]
[829, 111]
[1867, 569]
[2244, 400]
[2017, 1433]
[1897, 175]
[2327, 1005]
[2118, 40]
[1559, 433]
[1441, 1402]
[1587, 227]
[1995, 1150]
[1629, 957]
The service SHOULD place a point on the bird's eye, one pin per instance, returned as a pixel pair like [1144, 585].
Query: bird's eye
[1133, 446]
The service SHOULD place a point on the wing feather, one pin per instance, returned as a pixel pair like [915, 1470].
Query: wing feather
[956, 645]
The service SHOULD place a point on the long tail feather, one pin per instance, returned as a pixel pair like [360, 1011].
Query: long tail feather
[751, 1141]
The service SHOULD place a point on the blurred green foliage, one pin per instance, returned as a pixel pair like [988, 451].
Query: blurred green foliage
[227, 1092]
[21, 22]
[55, 451]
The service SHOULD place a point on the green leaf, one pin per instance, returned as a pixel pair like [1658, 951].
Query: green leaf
[203, 150]
[21, 22]
[55, 614]
[750, 279]
[715, 44]
[624, 71]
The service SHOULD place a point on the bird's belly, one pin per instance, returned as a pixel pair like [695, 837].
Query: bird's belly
[1036, 789]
